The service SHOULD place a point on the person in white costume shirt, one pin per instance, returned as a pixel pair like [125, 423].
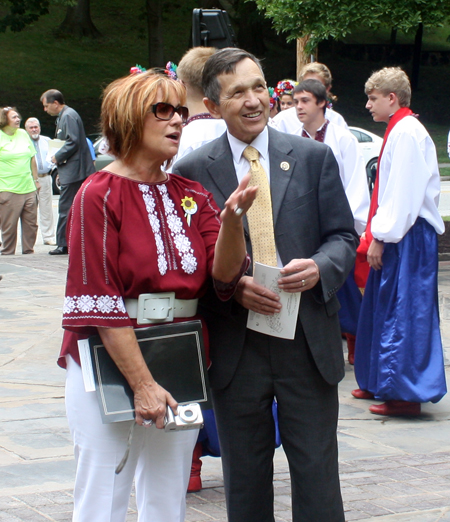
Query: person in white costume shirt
[45, 207]
[399, 356]
[201, 127]
[310, 98]
[287, 121]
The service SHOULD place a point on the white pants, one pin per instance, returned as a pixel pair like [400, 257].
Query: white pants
[160, 462]
[46, 221]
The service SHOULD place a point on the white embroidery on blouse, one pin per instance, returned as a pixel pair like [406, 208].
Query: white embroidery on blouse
[164, 246]
[84, 304]
[105, 234]
[150, 206]
[208, 202]
[83, 243]
[182, 242]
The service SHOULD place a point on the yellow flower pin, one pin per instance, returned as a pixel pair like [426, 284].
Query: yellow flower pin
[189, 207]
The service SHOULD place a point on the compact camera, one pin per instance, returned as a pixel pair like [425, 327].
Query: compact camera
[189, 417]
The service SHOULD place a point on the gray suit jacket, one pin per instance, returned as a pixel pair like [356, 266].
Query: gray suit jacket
[74, 158]
[312, 219]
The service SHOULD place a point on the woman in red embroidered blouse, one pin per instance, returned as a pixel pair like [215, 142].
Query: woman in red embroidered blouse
[135, 229]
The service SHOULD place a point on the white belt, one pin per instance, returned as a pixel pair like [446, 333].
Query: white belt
[159, 308]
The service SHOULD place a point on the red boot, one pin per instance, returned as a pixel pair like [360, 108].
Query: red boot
[351, 339]
[195, 480]
[362, 394]
[397, 409]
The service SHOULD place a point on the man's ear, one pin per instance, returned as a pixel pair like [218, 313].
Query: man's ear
[213, 109]
[393, 98]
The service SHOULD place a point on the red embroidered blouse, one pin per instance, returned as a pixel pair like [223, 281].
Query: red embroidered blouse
[126, 238]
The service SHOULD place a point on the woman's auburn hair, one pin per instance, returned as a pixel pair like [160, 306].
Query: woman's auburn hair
[4, 116]
[126, 103]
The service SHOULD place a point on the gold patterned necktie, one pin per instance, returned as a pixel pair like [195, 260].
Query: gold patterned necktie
[259, 215]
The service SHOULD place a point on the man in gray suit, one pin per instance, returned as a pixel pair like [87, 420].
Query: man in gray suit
[315, 244]
[73, 159]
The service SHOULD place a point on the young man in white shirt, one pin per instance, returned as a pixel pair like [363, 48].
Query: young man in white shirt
[399, 356]
[287, 121]
[310, 99]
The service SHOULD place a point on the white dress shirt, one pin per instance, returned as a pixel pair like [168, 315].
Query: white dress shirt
[242, 165]
[41, 146]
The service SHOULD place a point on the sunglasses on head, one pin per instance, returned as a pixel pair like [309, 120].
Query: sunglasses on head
[166, 111]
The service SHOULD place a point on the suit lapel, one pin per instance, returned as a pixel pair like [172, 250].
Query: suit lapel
[281, 168]
[221, 167]
[222, 172]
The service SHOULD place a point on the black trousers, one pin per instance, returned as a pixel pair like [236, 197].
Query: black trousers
[308, 414]
[68, 193]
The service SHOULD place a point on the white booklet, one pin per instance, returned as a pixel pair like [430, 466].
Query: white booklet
[284, 323]
[86, 365]
[53, 147]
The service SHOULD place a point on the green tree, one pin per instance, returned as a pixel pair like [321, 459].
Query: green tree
[323, 19]
[17, 14]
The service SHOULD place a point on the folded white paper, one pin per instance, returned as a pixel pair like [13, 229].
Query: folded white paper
[284, 323]
[53, 147]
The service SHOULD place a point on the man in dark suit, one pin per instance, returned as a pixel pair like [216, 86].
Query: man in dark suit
[315, 244]
[74, 159]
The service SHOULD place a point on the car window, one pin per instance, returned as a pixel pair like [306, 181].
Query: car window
[365, 137]
[357, 134]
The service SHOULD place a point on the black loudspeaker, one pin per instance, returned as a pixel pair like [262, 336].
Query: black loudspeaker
[212, 28]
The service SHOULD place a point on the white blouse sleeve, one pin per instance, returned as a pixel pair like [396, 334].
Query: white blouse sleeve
[404, 176]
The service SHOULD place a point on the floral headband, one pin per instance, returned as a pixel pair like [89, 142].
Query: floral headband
[273, 97]
[170, 70]
[285, 87]
[137, 69]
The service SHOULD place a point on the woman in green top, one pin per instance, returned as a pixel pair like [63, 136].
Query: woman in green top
[18, 184]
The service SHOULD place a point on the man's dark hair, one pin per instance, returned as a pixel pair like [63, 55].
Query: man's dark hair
[314, 87]
[53, 95]
[223, 61]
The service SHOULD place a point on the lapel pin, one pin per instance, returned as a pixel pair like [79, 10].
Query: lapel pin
[285, 165]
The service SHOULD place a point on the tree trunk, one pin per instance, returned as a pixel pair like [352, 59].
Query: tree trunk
[78, 21]
[302, 57]
[155, 33]
[416, 57]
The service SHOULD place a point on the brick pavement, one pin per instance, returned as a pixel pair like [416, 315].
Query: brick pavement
[392, 470]
[372, 489]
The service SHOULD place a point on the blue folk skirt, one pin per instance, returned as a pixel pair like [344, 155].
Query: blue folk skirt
[350, 298]
[398, 353]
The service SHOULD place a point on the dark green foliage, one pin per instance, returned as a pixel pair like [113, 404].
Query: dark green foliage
[21, 13]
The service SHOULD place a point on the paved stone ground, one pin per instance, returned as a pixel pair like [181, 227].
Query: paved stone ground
[392, 470]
